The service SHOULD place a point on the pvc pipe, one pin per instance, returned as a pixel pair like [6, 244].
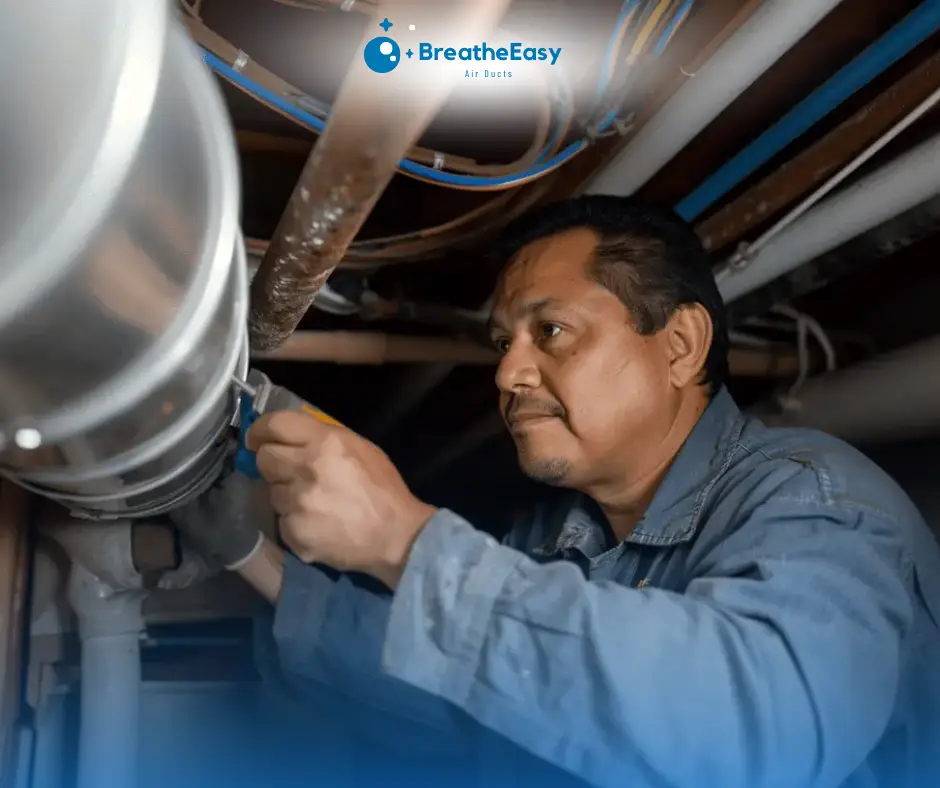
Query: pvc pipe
[921, 23]
[110, 711]
[760, 42]
[106, 593]
[865, 403]
[897, 187]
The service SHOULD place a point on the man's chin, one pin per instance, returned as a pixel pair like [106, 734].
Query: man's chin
[552, 471]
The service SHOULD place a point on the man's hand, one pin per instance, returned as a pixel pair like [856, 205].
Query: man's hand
[223, 524]
[340, 499]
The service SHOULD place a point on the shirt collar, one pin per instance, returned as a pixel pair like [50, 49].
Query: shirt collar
[674, 513]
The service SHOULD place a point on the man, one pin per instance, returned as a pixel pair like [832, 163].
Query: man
[718, 604]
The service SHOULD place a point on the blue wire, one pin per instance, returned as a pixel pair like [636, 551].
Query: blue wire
[541, 166]
[676, 21]
[607, 71]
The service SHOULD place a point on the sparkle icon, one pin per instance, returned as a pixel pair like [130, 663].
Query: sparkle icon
[385, 24]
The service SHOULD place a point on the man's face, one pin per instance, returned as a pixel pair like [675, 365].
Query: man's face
[579, 387]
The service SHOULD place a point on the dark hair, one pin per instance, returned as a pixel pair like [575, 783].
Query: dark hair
[648, 257]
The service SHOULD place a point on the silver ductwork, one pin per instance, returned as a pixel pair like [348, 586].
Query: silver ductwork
[123, 281]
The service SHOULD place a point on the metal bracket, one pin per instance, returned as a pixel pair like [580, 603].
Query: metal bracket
[241, 60]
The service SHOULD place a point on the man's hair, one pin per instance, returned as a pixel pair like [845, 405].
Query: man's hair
[648, 257]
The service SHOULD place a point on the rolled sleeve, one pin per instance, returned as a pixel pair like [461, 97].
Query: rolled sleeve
[329, 629]
[778, 666]
[441, 611]
[307, 594]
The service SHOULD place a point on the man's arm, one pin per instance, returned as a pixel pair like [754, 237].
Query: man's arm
[778, 666]
[264, 570]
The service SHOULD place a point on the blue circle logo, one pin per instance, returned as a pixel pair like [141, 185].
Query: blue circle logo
[382, 54]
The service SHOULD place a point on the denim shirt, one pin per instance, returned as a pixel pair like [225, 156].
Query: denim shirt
[772, 620]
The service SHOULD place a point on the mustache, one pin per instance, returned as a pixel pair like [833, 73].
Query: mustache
[531, 406]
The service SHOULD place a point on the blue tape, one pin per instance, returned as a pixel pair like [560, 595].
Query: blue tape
[246, 462]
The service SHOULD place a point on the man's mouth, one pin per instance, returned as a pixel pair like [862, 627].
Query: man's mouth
[527, 419]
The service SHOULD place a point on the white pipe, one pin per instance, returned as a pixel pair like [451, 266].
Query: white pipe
[747, 251]
[110, 711]
[110, 625]
[892, 398]
[906, 182]
[106, 592]
[772, 30]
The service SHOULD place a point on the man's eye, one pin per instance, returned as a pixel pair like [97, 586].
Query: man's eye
[549, 330]
[502, 345]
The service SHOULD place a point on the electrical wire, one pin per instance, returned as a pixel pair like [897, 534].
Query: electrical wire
[644, 18]
[467, 180]
[805, 325]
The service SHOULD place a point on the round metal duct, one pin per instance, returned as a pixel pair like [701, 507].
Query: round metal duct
[123, 283]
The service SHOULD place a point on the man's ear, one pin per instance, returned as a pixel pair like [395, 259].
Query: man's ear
[688, 339]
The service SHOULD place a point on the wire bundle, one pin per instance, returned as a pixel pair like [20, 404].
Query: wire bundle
[643, 27]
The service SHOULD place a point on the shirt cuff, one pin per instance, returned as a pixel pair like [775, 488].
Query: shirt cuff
[442, 606]
[306, 596]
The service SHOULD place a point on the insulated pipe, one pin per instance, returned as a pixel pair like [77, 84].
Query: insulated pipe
[375, 121]
[867, 402]
[909, 180]
[764, 38]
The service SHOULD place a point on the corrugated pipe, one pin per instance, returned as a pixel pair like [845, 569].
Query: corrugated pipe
[374, 123]
[760, 42]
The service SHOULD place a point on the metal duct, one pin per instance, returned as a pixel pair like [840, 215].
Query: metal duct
[123, 283]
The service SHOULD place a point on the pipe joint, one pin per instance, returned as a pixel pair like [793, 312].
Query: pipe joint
[102, 610]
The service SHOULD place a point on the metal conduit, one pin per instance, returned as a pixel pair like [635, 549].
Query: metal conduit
[123, 283]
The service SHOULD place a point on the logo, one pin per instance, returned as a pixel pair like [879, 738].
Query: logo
[382, 54]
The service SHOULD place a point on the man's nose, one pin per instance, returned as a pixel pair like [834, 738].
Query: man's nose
[518, 368]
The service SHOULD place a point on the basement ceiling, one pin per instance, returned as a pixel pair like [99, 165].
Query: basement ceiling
[875, 294]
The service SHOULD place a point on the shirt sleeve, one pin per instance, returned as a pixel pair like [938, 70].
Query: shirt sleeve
[778, 666]
[329, 629]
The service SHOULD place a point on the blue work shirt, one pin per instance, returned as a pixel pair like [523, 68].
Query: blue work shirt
[772, 620]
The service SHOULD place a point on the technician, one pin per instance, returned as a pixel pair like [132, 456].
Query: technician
[717, 604]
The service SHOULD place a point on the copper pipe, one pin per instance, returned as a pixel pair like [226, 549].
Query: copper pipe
[375, 121]
[368, 347]
[361, 347]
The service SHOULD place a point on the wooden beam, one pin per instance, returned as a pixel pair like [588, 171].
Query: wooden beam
[811, 168]
[712, 24]
[263, 142]
[14, 572]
